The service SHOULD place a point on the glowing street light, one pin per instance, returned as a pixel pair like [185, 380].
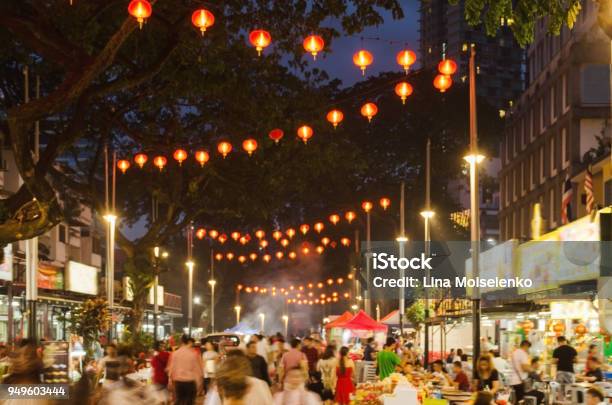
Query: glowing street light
[237, 309]
[262, 318]
[190, 264]
[286, 323]
[212, 283]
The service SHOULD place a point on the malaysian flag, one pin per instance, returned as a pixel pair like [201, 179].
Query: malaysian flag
[588, 189]
[566, 201]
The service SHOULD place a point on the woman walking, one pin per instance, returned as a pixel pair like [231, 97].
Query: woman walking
[344, 372]
[327, 367]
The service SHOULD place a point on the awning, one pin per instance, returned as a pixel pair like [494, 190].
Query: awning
[339, 320]
[392, 318]
[362, 321]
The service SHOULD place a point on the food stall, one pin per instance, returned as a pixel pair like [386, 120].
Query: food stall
[333, 331]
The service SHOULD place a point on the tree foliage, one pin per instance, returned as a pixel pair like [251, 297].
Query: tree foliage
[90, 320]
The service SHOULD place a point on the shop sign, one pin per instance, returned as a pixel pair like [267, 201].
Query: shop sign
[6, 265]
[497, 262]
[573, 309]
[128, 294]
[160, 295]
[50, 277]
[81, 278]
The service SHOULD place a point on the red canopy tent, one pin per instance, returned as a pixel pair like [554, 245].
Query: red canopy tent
[339, 320]
[362, 322]
[392, 318]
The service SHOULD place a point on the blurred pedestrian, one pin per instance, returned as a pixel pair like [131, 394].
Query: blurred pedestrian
[259, 366]
[327, 367]
[210, 358]
[344, 384]
[294, 391]
[185, 373]
[159, 364]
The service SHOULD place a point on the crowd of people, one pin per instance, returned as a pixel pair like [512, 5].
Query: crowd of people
[273, 371]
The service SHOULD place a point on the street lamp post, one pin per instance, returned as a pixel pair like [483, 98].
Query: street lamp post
[427, 215]
[401, 240]
[286, 322]
[212, 283]
[367, 207]
[237, 308]
[155, 286]
[190, 265]
[262, 318]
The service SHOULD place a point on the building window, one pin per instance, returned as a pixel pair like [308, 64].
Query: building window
[525, 130]
[564, 94]
[551, 205]
[541, 164]
[542, 124]
[553, 105]
[515, 184]
[62, 233]
[553, 156]
[533, 169]
[564, 148]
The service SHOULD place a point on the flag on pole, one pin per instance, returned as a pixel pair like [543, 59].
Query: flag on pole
[566, 201]
[588, 189]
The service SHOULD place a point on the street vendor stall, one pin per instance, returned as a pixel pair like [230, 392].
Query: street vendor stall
[363, 326]
[333, 333]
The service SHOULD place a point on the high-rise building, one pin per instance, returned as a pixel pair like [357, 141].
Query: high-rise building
[500, 60]
[562, 115]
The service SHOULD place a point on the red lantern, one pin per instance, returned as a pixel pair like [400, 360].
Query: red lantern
[405, 59]
[160, 162]
[442, 83]
[253, 256]
[180, 155]
[276, 135]
[305, 250]
[202, 157]
[320, 249]
[244, 240]
[345, 242]
[141, 159]
[202, 19]
[304, 133]
[279, 255]
[314, 44]
[222, 238]
[292, 255]
[123, 165]
[219, 257]
[367, 206]
[304, 229]
[284, 242]
[213, 234]
[369, 110]
[447, 67]
[266, 258]
[325, 241]
[260, 39]
[241, 259]
[224, 148]
[580, 329]
[201, 233]
[319, 227]
[350, 216]
[260, 234]
[290, 232]
[249, 145]
[263, 243]
[334, 218]
[277, 235]
[363, 59]
[229, 256]
[141, 10]
[335, 117]
[235, 235]
[385, 203]
[403, 90]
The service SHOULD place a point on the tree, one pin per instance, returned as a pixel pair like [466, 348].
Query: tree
[523, 14]
[90, 320]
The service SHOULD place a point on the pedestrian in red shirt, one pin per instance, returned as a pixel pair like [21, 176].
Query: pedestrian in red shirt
[159, 363]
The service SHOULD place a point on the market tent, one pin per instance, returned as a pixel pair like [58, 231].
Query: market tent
[392, 318]
[339, 320]
[361, 321]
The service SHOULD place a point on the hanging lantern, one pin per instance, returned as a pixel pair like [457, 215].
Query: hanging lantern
[259, 234]
[405, 59]
[263, 243]
[276, 135]
[266, 258]
[385, 203]
[290, 232]
[367, 206]
[202, 19]
[314, 44]
[160, 162]
[350, 216]
[292, 255]
[224, 148]
[201, 233]
[260, 39]
[249, 145]
[333, 244]
[304, 229]
[222, 238]
[305, 250]
[284, 242]
[277, 235]
[242, 259]
[334, 218]
[219, 257]
[335, 117]
[304, 133]
[442, 83]
[369, 110]
[235, 235]
[141, 159]
[123, 165]
[229, 256]
[330, 281]
[403, 90]
[363, 59]
[253, 256]
[180, 155]
[279, 255]
[580, 329]
[325, 241]
[345, 242]
[447, 67]
[213, 234]
[319, 227]
[243, 240]
[320, 249]
[140, 10]
[202, 157]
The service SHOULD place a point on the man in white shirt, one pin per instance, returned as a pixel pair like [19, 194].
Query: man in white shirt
[520, 366]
